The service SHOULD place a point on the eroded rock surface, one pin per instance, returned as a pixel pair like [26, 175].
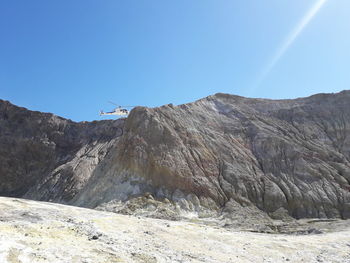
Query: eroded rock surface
[45, 157]
[223, 153]
[286, 157]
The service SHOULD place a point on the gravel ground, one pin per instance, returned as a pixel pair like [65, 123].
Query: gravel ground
[44, 232]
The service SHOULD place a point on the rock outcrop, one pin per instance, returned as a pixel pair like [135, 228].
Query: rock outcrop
[45, 157]
[278, 157]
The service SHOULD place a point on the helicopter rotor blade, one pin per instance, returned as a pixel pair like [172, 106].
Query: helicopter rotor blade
[113, 103]
[121, 105]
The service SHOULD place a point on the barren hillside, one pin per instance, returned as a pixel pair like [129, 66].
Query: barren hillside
[220, 154]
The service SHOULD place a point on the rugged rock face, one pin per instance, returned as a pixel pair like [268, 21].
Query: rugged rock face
[287, 156]
[283, 157]
[46, 157]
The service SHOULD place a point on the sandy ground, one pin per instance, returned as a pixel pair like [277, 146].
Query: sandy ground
[43, 232]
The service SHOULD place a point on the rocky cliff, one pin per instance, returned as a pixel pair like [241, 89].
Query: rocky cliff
[43, 156]
[222, 153]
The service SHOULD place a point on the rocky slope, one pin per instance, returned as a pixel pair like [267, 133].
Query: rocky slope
[34, 231]
[43, 156]
[223, 155]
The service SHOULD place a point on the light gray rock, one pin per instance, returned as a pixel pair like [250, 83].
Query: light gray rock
[34, 231]
[288, 154]
[278, 157]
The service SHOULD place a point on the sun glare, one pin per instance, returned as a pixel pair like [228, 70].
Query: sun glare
[292, 36]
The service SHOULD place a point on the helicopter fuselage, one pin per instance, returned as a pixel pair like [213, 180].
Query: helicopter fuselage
[117, 112]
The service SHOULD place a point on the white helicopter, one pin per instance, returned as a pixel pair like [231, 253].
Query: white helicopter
[118, 111]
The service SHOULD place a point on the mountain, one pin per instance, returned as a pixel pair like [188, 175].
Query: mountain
[223, 154]
[47, 157]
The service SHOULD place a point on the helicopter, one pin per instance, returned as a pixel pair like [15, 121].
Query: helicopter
[118, 111]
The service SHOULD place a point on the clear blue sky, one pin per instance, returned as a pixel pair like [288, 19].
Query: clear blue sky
[71, 57]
